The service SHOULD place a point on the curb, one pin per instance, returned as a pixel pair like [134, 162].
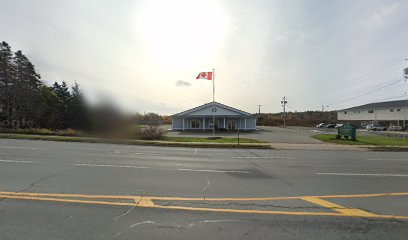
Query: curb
[135, 142]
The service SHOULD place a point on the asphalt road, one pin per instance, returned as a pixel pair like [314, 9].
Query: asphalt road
[55, 190]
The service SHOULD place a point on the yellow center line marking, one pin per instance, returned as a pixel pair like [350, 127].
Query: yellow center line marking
[68, 200]
[202, 199]
[354, 212]
[148, 202]
[249, 211]
[71, 195]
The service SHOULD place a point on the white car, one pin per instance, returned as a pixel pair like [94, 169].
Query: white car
[395, 128]
[321, 125]
[375, 127]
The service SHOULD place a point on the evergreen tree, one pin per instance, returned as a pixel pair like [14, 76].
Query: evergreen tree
[25, 72]
[26, 87]
[48, 109]
[64, 103]
[23, 95]
[78, 109]
[6, 81]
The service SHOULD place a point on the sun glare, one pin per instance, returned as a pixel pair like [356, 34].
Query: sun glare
[181, 32]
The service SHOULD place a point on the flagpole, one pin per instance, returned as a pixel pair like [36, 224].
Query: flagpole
[213, 85]
[213, 78]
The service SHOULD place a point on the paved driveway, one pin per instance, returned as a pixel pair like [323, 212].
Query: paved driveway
[269, 134]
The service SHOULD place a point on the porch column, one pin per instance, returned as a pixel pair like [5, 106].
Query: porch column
[224, 122]
[203, 123]
[245, 123]
[183, 124]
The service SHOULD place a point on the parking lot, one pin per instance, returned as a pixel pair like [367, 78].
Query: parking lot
[295, 135]
[291, 135]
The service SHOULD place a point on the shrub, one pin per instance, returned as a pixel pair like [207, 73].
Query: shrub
[42, 131]
[152, 132]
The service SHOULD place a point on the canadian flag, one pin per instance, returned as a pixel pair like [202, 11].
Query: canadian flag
[205, 75]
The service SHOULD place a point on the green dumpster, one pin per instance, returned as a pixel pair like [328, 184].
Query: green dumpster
[347, 131]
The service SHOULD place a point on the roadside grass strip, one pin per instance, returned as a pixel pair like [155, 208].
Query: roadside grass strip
[166, 142]
[378, 141]
[333, 209]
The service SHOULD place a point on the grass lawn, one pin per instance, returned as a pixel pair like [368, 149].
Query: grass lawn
[166, 141]
[364, 140]
[221, 140]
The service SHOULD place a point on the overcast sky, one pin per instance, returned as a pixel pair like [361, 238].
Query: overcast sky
[145, 55]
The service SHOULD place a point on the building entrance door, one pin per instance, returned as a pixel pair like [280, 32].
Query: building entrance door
[217, 124]
[231, 124]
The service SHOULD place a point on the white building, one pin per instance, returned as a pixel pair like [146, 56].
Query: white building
[392, 112]
[201, 118]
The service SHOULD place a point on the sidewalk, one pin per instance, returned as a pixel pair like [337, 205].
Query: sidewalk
[318, 147]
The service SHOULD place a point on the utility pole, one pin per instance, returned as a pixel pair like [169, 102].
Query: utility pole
[406, 78]
[259, 109]
[322, 113]
[283, 102]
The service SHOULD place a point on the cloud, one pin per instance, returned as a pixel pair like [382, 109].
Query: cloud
[181, 83]
[384, 15]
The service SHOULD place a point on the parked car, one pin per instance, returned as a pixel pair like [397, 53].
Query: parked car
[339, 125]
[374, 127]
[395, 128]
[331, 125]
[321, 125]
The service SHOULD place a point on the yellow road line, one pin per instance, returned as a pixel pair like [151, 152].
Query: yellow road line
[201, 199]
[147, 202]
[248, 211]
[68, 200]
[70, 195]
[276, 212]
[364, 195]
[354, 212]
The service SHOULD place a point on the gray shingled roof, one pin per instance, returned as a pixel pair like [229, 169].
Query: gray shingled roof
[210, 104]
[378, 105]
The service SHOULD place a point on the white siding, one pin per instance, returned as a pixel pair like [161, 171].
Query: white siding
[376, 115]
[177, 123]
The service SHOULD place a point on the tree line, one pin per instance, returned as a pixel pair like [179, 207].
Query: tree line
[25, 97]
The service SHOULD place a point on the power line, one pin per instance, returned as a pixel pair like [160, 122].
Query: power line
[387, 67]
[367, 93]
[377, 100]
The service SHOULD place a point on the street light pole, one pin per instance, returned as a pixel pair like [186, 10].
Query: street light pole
[283, 102]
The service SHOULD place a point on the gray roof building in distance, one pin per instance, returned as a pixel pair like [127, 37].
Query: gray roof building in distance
[392, 111]
[380, 105]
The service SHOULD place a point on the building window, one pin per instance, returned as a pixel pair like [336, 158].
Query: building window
[195, 124]
[392, 110]
[371, 111]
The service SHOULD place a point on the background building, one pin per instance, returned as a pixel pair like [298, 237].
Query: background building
[385, 113]
[201, 118]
